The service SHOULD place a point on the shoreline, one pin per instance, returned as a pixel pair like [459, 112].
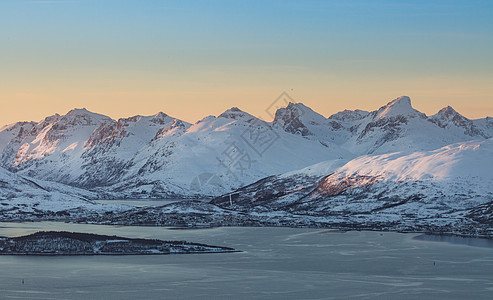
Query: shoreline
[333, 229]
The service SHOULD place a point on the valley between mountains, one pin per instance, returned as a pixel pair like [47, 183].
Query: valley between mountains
[393, 168]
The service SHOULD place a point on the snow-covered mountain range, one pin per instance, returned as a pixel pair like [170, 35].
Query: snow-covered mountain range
[160, 156]
[393, 168]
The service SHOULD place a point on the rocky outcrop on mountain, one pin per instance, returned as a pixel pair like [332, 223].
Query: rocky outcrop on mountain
[176, 128]
[290, 119]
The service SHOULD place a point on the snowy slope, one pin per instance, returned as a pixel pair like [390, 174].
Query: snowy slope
[110, 149]
[52, 149]
[21, 197]
[485, 125]
[425, 184]
[468, 160]
[10, 132]
[278, 191]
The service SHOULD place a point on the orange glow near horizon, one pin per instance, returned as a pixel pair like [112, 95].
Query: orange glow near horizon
[190, 59]
[199, 100]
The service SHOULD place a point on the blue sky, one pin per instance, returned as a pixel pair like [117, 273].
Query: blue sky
[192, 58]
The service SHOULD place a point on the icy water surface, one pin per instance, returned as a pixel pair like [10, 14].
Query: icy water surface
[277, 263]
[475, 242]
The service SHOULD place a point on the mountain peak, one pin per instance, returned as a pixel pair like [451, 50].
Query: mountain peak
[300, 111]
[403, 104]
[78, 111]
[235, 113]
[82, 112]
[298, 106]
[450, 114]
[159, 118]
[295, 118]
[349, 115]
[402, 100]
[398, 107]
[448, 111]
[447, 117]
[160, 115]
[83, 116]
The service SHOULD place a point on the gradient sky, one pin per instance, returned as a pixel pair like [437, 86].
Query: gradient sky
[190, 59]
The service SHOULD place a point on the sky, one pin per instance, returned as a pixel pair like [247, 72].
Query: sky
[191, 59]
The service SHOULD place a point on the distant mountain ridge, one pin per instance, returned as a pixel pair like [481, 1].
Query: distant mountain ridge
[160, 156]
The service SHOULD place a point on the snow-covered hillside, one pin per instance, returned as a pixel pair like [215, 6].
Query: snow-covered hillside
[52, 148]
[161, 156]
[25, 198]
[427, 184]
